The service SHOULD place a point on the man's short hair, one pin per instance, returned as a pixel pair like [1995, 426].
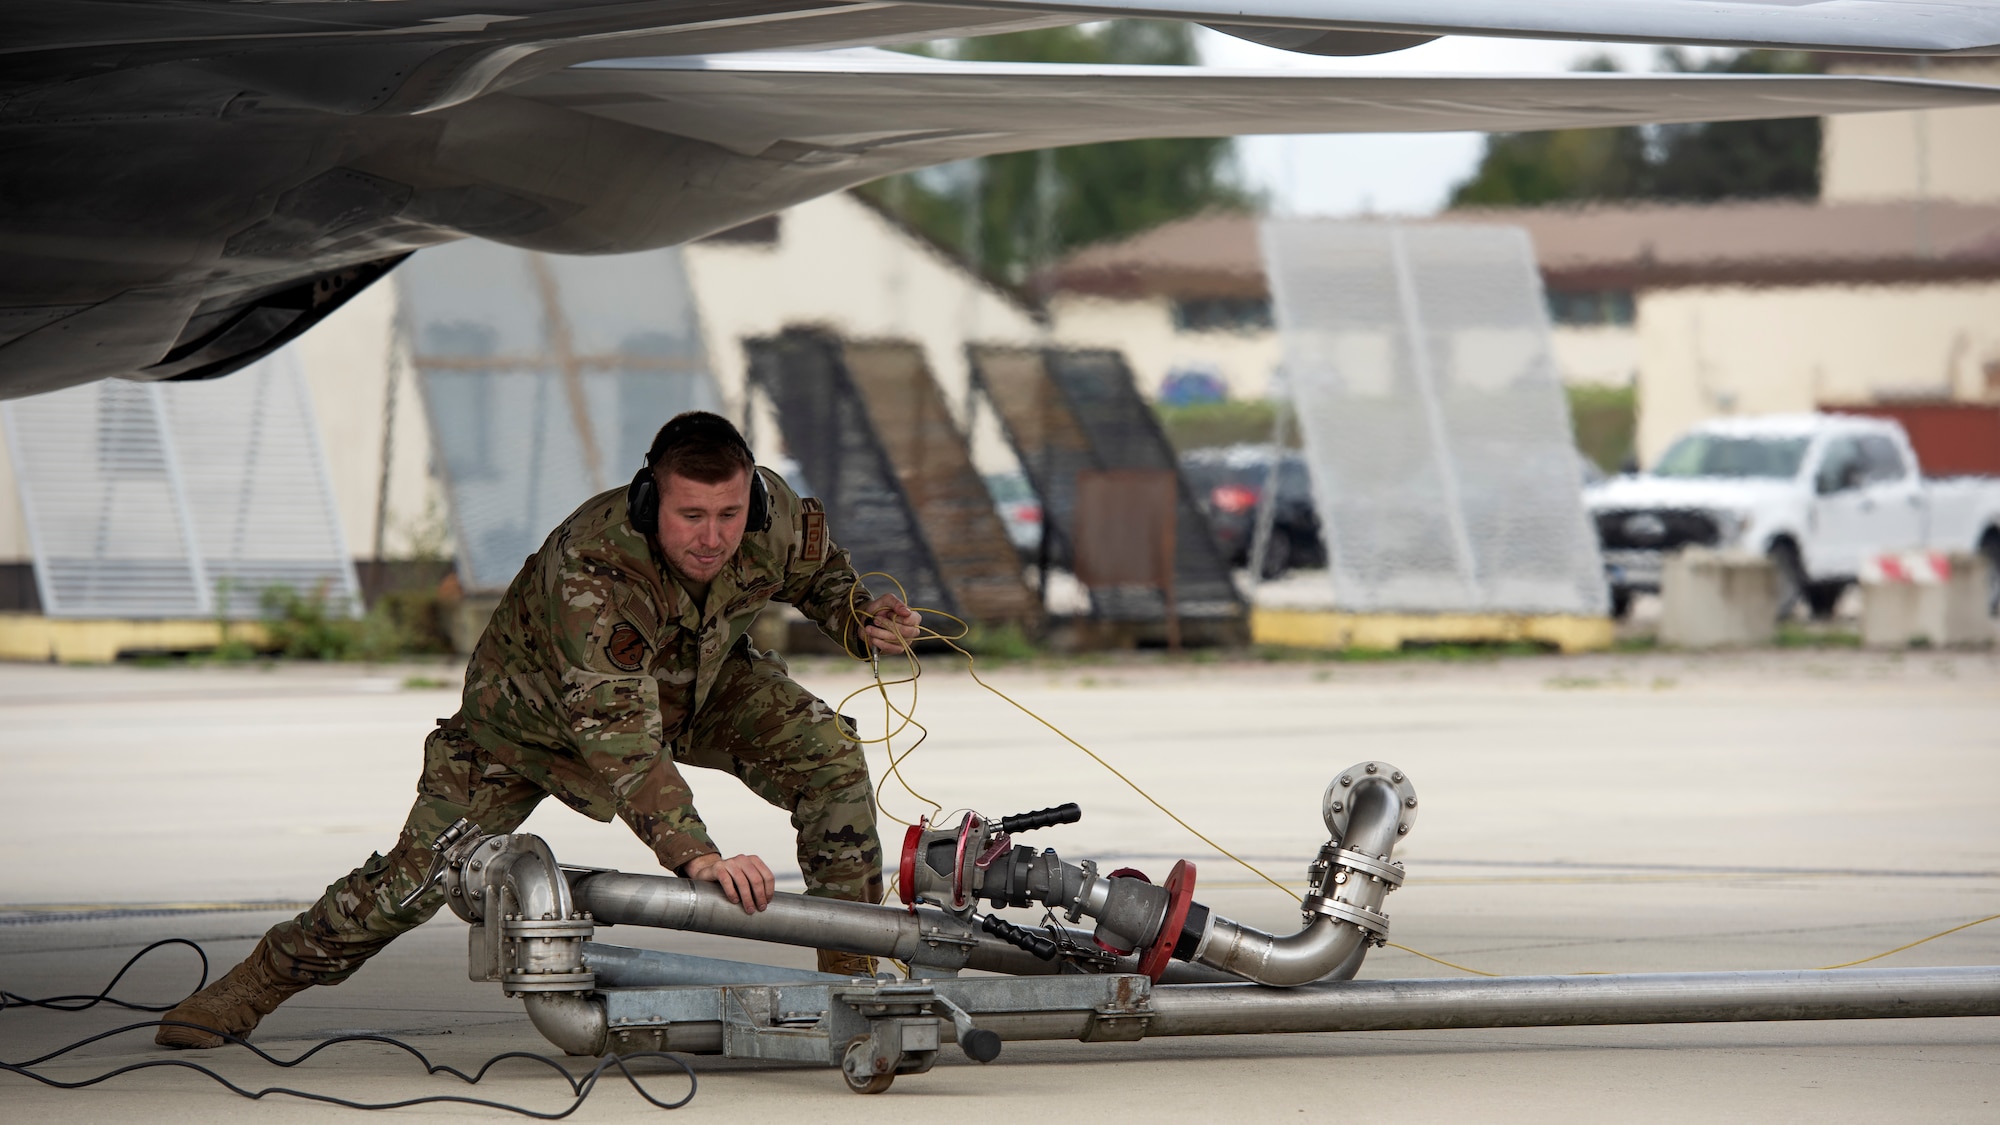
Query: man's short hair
[700, 446]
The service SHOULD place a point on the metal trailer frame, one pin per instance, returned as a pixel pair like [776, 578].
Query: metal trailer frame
[533, 921]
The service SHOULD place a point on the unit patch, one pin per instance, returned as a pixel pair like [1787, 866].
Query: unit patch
[812, 530]
[626, 648]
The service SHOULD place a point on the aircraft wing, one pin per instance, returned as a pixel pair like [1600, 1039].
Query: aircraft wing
[191, 183]
[1928, 27]
[885, 111]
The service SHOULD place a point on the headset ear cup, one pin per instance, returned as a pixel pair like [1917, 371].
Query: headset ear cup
[642, 503]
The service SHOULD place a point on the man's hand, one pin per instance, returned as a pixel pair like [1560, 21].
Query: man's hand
[891, 624]
[745, 879]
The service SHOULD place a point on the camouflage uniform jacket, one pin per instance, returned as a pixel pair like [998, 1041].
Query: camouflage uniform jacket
[597, 659]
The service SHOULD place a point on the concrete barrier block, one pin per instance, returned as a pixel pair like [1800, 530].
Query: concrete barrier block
[468, 618]
[1947, 610]
[1717, 599]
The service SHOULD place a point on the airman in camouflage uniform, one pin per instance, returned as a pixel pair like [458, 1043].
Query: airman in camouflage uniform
[599, 674]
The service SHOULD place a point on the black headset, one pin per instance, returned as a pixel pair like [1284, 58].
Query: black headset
[642, 496]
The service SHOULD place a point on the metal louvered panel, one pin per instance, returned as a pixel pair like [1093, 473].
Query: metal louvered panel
[1437, 434]
[829, 433]
[1068, 412]
[104, 508]
[257, 489]
[1125, 434]
[933, 464]
[179, 500]
[544, 380]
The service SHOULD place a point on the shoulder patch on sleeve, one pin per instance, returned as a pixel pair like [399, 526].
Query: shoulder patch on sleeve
[625, 648]
[812, 530]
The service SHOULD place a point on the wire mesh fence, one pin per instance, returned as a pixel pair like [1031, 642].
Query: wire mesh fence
[1438, 437]
[544, 380]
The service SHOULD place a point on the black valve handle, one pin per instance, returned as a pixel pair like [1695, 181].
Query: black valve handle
[1019, 935]
[1041, 818]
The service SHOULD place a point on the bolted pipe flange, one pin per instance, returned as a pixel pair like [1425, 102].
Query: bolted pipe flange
[513, 983]
[1371, 922]
[1369, 865]
[549, 928]
[1338, 803]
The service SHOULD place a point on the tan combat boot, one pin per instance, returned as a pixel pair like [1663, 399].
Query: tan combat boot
[234, 1004]
[846, 964]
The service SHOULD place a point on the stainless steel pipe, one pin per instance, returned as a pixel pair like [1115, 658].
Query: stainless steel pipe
[1368, 808]
[1731, 997]
[619, 966]
[926, 934]
[1415, 1005]
[1327, 948]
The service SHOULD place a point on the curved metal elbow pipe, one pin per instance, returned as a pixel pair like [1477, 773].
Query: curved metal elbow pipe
[528, 870]
[1283, 962]
[574, 1021]
[1371, 801]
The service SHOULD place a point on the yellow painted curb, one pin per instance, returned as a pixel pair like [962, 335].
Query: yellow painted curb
[1332, 629]
[28, 636]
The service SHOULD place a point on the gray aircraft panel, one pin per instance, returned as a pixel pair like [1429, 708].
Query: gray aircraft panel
[248, 167]
[1923, 27]
[905, 111]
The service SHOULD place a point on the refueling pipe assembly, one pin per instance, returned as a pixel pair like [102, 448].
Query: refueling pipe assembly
[1118, 959]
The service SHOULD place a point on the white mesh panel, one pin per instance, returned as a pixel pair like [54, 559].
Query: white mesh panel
[1438, 436]
[257, 488]
[98, 485]
[498, 335]
[149, 499]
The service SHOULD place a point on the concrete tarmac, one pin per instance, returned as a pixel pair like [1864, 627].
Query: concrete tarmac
[1634, 812]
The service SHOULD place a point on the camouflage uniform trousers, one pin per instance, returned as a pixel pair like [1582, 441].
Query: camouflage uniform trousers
[783, 742]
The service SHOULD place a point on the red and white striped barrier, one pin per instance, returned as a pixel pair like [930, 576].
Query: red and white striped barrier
[1921, 568]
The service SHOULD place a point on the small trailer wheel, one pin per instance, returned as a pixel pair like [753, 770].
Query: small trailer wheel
[875, 1083]
[858, 1070]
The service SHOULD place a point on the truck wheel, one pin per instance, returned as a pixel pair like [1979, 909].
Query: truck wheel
[1784, 556]
[1990, 547]
[1822, 597]
[1277, 554]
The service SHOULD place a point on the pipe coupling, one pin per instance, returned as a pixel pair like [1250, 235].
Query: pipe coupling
[545, 954]
[1374, 923]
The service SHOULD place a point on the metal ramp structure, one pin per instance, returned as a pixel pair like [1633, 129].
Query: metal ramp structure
[874, 439]
[179, 500]
[544, 379]
[1068, 412]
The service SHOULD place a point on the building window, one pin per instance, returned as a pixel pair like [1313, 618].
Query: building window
[1222, 314]
[1591, 308]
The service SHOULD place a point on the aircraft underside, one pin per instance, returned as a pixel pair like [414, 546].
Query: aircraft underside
[190, 187]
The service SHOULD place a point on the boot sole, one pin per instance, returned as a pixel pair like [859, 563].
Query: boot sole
[187, 1039]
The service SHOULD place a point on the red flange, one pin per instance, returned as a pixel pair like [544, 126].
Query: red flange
[1180, 892]
[972, 823]
[906, 876]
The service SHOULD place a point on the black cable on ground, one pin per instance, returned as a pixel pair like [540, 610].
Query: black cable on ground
[580, 1089]
[79, 1003]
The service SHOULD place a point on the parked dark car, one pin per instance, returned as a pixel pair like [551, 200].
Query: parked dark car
[1229, 484]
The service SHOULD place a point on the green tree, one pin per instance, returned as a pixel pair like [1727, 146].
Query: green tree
[1015, 213]
[1701, 162]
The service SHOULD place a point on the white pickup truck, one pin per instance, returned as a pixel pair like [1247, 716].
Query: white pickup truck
[1816, 493]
